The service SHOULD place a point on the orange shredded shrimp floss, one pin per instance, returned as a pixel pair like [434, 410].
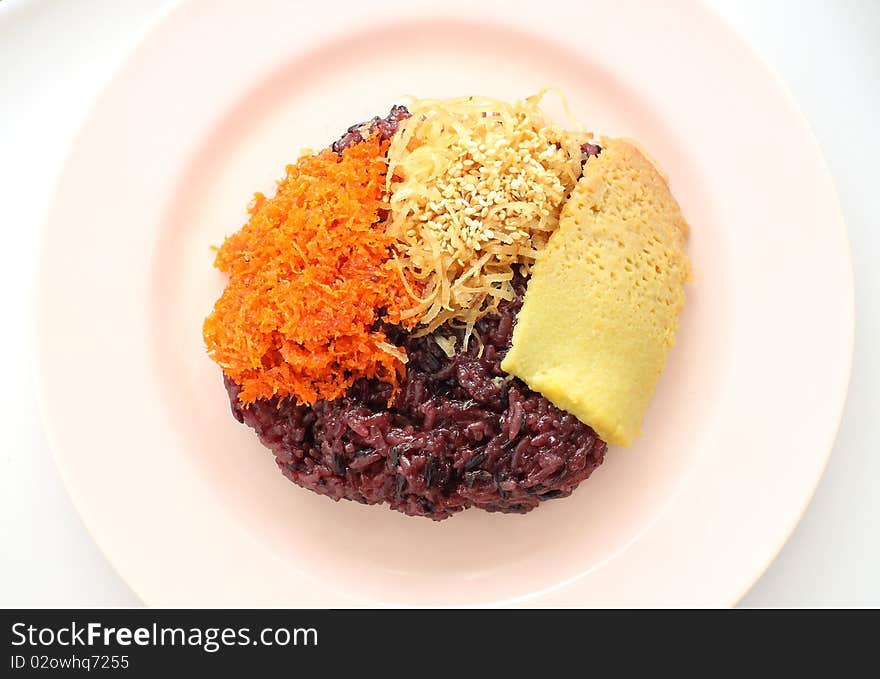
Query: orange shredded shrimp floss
[310, 276]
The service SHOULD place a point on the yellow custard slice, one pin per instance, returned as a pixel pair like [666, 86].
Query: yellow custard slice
[601, 308]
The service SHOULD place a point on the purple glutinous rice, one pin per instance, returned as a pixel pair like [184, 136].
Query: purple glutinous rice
[460, 433]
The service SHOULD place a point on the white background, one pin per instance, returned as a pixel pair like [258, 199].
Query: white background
[56, 54]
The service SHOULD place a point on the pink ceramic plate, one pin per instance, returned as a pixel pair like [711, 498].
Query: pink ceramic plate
[210, 107]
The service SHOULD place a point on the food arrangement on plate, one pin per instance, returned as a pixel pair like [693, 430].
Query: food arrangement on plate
[461, 304]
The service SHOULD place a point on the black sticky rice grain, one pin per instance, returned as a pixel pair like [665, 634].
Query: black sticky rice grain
[460, 433]
[386, 127]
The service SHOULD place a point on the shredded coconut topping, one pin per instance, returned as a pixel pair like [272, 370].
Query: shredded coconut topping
[475, 186]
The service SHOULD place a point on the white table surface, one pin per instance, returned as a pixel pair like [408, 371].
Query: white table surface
[56, 54]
